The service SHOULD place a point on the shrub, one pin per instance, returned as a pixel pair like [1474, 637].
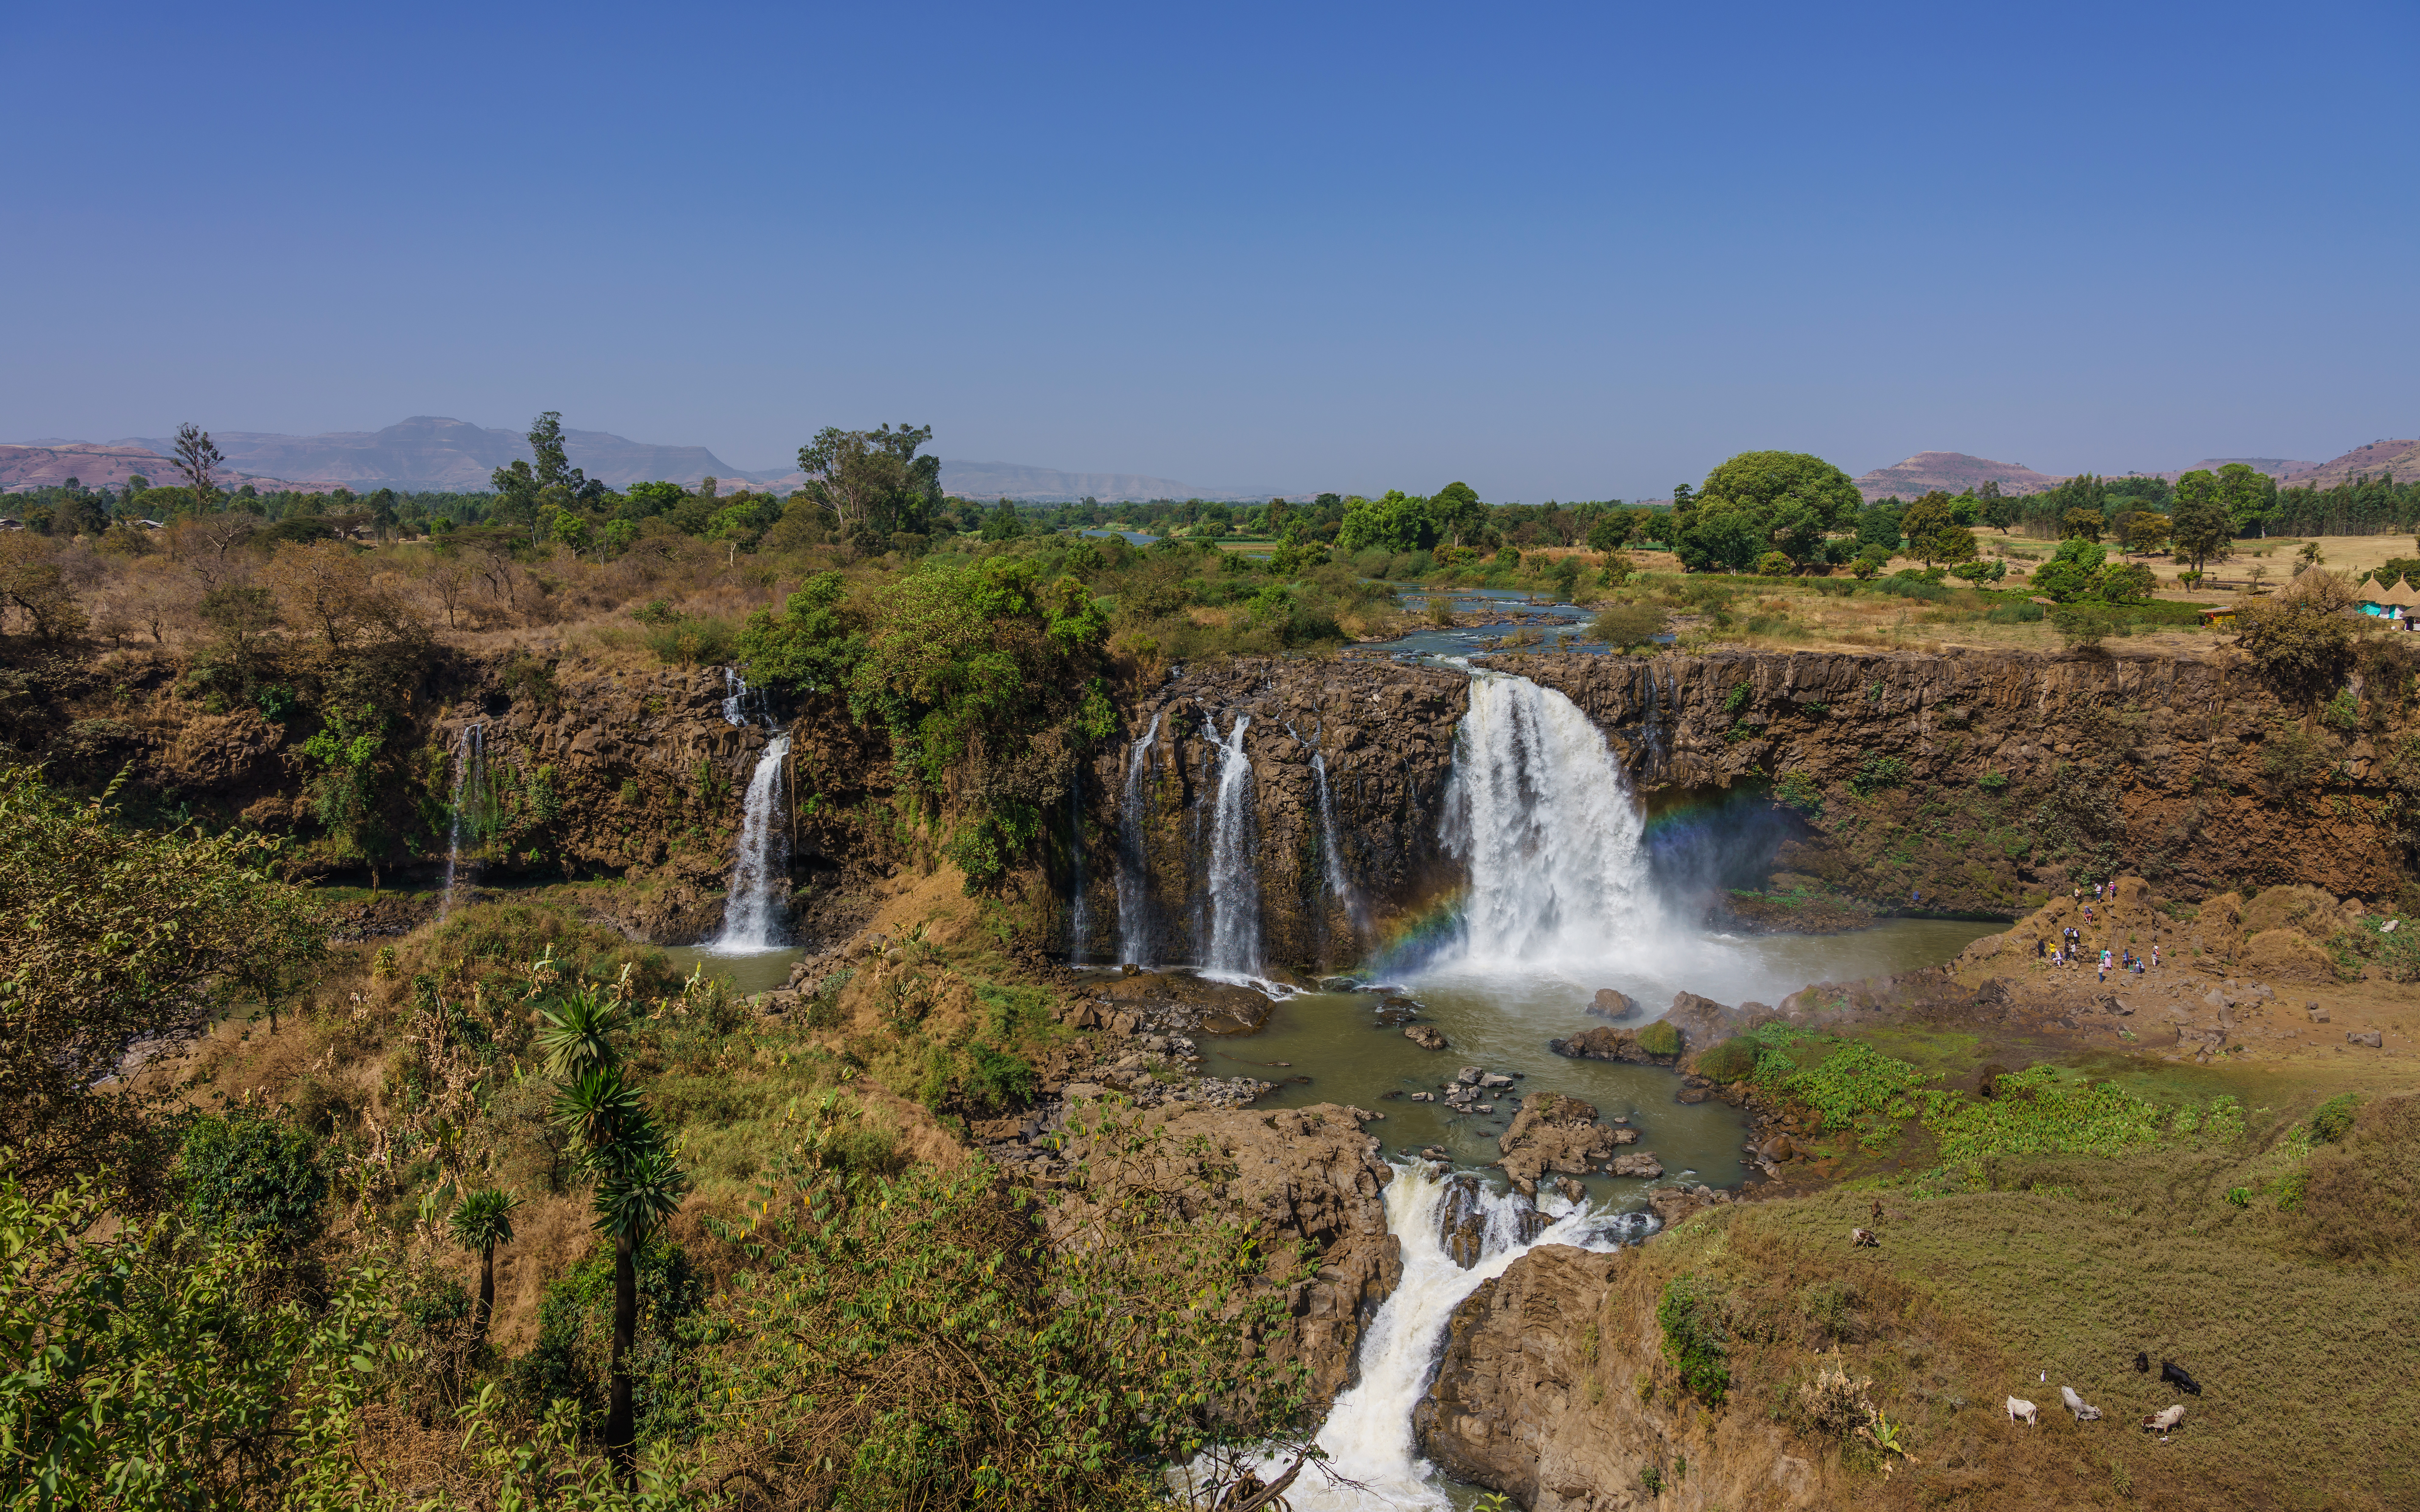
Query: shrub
[2014, 614]
[1879, 772]
[1732, 1060]
[1798, 789]
[1914, 585]
[1690, 1313]
[1627, 624]
[1660, 1039]
[2081, 627]
[1993, 781]
[252, 1176]
[2332, 1120]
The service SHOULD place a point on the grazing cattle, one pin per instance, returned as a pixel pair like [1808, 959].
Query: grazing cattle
[2142, 1361]
[2021, 1411]
[1863, 1239]
[2085, 1411]
[2166, 1418]
[2175, 1375]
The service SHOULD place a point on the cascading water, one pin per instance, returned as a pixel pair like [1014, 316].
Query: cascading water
[752, 921]
[1368, 1434]
[739, 699]
[1234, 886]
[470, 788]
[1134, 898]
[1079, 913]
[1339, 886]
[1540, 814]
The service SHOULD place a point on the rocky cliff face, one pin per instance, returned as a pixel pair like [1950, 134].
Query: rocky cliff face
[1982, 782]
[1547, 1391]
[1383, 731]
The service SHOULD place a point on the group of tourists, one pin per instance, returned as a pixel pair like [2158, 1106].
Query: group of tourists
[2071, 949]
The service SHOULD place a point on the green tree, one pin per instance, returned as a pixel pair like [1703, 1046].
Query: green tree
[118, 938]
[2249, 497]
[638, 1182]
[1999, 511]
[1934, 533]
[2199, 521]
[1394, 520]
[1460, 517]
[2081, 525]
[198, 457]
[2074, 572]
[480, 1222]
[873, 483]
[1761, 501]
[253, 1177]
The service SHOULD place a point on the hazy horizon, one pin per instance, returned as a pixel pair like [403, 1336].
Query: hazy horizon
[1585, 253]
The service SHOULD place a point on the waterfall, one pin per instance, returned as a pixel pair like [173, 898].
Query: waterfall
[1337, 887]
[1368, 1434]
[1079, 913]
[1234, 886]
[1134, 897]
[739, 702]
[751, 922]
[1540, 814]
[470, 787]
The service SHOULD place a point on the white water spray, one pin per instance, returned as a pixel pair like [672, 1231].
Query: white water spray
[751, 923]
[739, 699]
[1234, 886]
[1540, 812]
[1339, 886]
[1368, 1434]
[470, 783]
[1134, 899]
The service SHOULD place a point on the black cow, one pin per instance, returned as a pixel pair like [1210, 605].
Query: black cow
[2173, 1372]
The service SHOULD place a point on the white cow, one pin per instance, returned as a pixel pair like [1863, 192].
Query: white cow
[2162, 1421]
[2085, 1411]
[2021, 1411]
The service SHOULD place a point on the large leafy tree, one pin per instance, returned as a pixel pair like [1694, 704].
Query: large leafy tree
[2199, 518]
[1461, 518]
[873, 483]
[1933, 532]
[2249, 497]
[122, 946]
[1395, 520]
[1762, 502]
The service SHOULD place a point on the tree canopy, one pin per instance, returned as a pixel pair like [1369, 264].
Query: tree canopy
[1761, 501]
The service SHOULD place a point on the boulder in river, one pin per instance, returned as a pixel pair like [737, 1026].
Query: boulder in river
[1427, 1036]
[1554, 1133]
[1653, 1044]
[1640, 1163]
[1612, 1004]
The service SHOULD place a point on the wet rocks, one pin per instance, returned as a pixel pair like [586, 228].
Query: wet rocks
[1555, 1132]
[1427, 1036]
[1654, 1045]
[1610, 1003]
[1637, 1163]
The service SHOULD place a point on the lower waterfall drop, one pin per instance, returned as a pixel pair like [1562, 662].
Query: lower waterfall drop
[1339, 885]
[470, 787]
[1133, 892]
[1234, 884]
[751, 923]
[1368, 1434]
[1539, 811]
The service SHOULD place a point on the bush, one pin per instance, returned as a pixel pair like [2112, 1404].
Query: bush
[1660, 1039]
[2082, 627]
[1914, 585]
[1627, 624]
[1798, 789]
[250, 1176]
[2333, 1118]
[1732, 1060]
[2014, 614]
[1690, 1312]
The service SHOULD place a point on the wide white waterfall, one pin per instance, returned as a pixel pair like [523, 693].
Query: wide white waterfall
[1368, 1434]
[1234, 884]
[469, 791]
[1541, 815]
[751, 910]
[1134, 893]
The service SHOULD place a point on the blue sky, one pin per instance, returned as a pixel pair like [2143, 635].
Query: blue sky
[1577, 252]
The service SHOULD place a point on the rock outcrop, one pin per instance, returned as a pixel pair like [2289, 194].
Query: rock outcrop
[1537, 1395]
[1555, 1132]
[1299, 1175]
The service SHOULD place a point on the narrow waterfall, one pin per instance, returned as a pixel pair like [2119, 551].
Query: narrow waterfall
[1134, 893]
[1234, 884]
[1368, 1434]
[739, 700]
[470, 788]
[1540, 812]
[1339, 886]
[1079, 912]
[751, 911]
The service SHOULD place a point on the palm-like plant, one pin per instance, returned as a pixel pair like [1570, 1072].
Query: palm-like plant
[638, 1182]
[481, 1221]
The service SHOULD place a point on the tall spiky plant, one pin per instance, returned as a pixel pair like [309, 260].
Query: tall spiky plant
[481, 1221]
[639, 1183]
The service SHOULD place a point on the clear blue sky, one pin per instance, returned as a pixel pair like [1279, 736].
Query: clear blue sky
[1579, 252]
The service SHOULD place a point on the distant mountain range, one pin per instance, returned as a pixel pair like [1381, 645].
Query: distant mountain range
[1956, 471]
[433, 452]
